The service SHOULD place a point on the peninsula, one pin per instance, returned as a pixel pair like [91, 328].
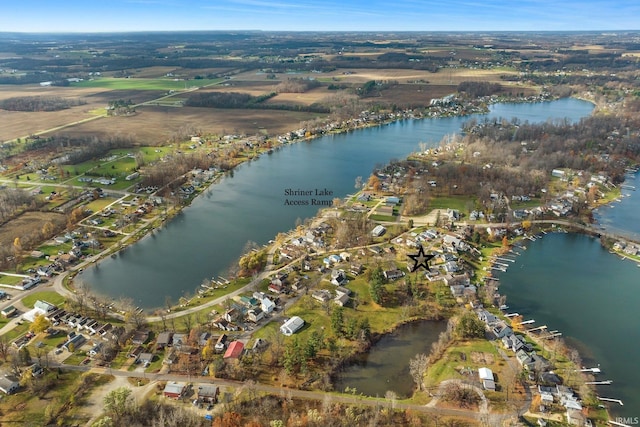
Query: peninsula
[268, 342]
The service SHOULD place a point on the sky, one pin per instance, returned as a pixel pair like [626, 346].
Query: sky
[327, 15]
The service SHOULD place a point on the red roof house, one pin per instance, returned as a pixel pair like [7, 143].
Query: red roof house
[234, 351]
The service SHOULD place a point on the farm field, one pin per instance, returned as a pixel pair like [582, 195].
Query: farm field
[19, 124]
[26, 224]
[163, 84]
[156, 125]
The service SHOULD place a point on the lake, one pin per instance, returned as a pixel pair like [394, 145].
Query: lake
[572, 284]
[206, 238]
[386, 366]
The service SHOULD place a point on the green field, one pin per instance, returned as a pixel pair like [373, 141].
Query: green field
[145, 84]
[48, 296]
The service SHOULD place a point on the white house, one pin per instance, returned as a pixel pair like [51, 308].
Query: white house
[486, 376]
[292, 326]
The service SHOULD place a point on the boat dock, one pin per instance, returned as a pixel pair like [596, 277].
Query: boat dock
[607, 399]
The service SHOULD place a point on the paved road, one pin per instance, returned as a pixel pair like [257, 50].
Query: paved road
[283, 391]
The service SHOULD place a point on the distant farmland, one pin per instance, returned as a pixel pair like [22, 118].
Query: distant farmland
[145, 84]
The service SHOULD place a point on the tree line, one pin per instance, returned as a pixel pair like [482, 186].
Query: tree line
[39, 103]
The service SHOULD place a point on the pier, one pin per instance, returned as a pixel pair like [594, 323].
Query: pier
[607, 399]
[605, 382]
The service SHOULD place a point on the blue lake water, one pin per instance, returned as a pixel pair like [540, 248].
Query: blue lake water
[208, 236]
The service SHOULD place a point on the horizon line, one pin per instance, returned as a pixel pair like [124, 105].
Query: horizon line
[316, 31]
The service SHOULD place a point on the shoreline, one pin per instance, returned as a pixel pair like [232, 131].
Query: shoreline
[390, 118]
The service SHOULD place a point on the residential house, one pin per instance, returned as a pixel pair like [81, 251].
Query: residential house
[203, 339]
[338, 277]
[393, 274]
[232, 315]
[44, 306]
[355, 269]
[255, 315]
[140, 337]
[74, 342]
[524, 359]
[276, 288]
[342, 300]
[95, 350]
[341, 290]
[174, 389]
[378, 231]
[164, 339]
[486, 376]
[207, 393]
[292, 325]
[321, 295]
[500, 329]
[221, 343]
[234, 351]
[145, 359]
[9, 311]
[487, 317]
[178, 340]
[266, 305]
[136, 352]
[8, 384]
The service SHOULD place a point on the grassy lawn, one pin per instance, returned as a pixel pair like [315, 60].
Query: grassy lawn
[18, 331]
[10, 280]
[472, 354]
[376, 217]
[120, 359]
[99, 204]
[48, 296]
[144, 84]
[76, 358]
[460, 203]
[156, 364]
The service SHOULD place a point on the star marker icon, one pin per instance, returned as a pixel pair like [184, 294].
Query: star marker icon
[421, 260]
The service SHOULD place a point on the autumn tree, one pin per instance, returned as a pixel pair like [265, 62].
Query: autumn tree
[17, 246]
[40, 324]
[374, 182]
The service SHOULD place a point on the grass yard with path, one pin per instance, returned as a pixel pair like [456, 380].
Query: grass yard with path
[48, 296]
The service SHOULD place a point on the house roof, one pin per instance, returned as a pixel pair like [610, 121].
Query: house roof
[145, 357]
[174, 387]
[234, 350]
[292, 325]
[207, 390]
[164, 337]
[485, 374]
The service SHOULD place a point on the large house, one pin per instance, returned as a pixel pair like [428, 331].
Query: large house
[292, 326]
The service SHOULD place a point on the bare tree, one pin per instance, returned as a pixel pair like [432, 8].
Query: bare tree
[417, 368]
